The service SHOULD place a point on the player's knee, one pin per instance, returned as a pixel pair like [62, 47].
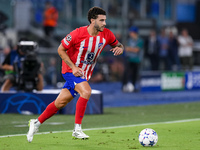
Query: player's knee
[86, 93]
[61, 104]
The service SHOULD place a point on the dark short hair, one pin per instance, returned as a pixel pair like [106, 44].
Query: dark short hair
[94, 12]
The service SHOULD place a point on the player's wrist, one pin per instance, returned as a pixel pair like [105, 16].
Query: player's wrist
[73, 67]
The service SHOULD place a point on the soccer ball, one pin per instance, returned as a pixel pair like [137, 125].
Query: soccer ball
[148, 137]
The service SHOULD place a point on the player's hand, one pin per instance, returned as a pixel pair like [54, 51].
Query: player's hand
[117, 51]
[77, 72]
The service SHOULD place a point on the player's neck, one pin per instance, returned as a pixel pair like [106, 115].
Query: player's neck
[92, 31]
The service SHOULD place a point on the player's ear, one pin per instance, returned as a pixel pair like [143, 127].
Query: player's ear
[92, 21]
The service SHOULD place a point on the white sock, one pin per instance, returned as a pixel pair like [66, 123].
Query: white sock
[77, 126]
[37, 123]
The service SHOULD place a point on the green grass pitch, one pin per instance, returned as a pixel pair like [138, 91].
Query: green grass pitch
[171, 135]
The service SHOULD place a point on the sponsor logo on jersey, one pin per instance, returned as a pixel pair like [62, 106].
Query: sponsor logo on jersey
[89, 59]
[90, 56]
[87, 62]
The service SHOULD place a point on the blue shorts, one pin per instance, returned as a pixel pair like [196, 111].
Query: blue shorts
[71, 81]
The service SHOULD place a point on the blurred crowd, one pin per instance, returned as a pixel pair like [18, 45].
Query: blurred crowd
[20, 65]
[170, 50]
[166, 49]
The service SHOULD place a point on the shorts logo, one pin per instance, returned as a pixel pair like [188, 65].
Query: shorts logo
[69, 38]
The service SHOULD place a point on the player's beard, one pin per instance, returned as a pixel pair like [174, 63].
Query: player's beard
[99, 29]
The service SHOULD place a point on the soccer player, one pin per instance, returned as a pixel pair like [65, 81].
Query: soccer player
[79, 51]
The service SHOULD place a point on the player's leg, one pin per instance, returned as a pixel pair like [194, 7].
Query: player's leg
[84, 90]
[61, 101]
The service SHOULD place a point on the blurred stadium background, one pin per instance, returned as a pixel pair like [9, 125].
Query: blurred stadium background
[24, 18]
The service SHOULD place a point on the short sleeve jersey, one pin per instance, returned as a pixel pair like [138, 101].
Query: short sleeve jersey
[84, 49]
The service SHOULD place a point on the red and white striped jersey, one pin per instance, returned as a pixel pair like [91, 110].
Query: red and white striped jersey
[84, 49]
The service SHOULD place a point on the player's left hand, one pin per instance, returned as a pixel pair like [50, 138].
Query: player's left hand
[117, 51]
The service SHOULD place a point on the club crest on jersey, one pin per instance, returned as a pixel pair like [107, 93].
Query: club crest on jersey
[89, 59]
[100, 45]
[69, 38]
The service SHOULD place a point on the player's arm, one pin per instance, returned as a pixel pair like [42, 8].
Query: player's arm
[117, 49]
[65, 57]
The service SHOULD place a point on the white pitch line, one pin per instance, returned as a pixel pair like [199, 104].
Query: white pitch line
[114, 127]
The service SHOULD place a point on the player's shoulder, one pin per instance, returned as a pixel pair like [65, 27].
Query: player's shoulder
[79, 31]
[83, 28]
[106, 30]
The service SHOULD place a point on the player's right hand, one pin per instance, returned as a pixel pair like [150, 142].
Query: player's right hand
[77, 72]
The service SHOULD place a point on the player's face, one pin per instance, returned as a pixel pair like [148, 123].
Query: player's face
[100, 23]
